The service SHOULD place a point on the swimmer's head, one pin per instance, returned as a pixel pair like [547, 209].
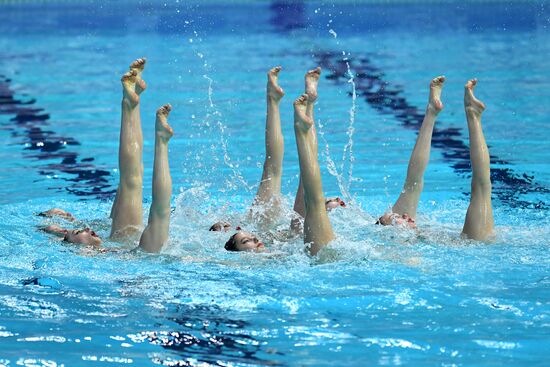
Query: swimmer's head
[244, 241]
[220, 226]
[394, 219]
[332, 203]
[83, 237]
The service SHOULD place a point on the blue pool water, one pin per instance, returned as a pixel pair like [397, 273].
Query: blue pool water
[384, 297]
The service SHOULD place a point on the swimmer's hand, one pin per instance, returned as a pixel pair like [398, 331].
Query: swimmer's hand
[56, 212]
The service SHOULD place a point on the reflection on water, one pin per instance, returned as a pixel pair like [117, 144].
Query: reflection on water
[211, 338]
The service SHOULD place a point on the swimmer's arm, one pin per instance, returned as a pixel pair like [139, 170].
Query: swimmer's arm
[55, 230]
[56, 212]
[391, 254]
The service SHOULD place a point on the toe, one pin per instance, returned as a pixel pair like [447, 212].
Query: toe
[471, 83]
[126, 76]
[437, 81]
[274, 71]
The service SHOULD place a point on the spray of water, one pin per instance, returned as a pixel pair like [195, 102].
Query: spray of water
[236, 175]
[331, 165]
[347, 155]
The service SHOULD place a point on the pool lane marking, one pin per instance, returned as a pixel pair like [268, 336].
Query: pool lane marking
[84, 178]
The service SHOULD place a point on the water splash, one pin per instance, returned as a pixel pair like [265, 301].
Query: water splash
[344, 184]
[214, 119]
[330, 164]
[348, 148]
[223, 140]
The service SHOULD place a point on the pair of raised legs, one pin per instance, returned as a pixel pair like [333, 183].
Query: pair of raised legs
[127, 210]
[479, 217]
[269, 191]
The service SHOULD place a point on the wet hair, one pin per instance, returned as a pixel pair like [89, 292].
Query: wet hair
[379, 221]
[216, 227]
[231, 244]
[219, 226]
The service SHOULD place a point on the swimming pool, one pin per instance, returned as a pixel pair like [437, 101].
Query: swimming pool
[386, 297]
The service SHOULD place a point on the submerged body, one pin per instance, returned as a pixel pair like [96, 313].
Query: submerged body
[82, 236]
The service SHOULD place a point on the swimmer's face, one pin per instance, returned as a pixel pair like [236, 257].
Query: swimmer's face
[83, 237]
[220, 226]
[245, 241]
[394, 219]
[333, 203]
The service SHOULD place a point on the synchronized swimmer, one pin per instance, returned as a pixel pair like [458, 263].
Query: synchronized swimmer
[310, 205]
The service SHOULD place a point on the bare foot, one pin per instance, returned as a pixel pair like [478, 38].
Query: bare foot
[129, 86]
[471, 103]
[138, 65]
[436, 85]
[162, 129]
[312, 79]
[273, 90]
[301, 120]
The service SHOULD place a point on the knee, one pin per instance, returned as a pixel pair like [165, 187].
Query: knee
[132, 182]
[161, 213]
[482, 185]
[414, 186]
[314, 201]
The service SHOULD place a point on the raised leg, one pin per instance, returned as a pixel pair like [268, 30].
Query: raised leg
[311, 81]
[127, 211]
[317, 229]
[479, 223]
[407, 203]
[268, 195]
[155, 235]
